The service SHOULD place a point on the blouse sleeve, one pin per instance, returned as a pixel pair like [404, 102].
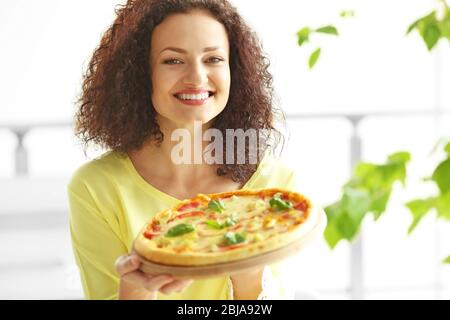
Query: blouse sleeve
[96, 244]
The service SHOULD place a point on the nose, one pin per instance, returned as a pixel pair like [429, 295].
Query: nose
[196, 75]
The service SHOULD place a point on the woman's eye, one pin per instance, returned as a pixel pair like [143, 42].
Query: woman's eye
[176, 61]
[172, 61]
[215, 59]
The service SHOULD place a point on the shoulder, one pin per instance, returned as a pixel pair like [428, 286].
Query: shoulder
[273, 171]
[275, 164]
[96, 171]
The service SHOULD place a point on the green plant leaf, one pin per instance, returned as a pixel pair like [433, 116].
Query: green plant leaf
[303, 36]
[328, 30]
[402, 157]
[431, 35]
[442, 176]
[419, 208]
[443, 206]
[444, 25]
[345, 216]
[447, 260]
[356, 202]
[375, 177]
[368, 191]
[447, 149]
[413, 25]
[379, 202]
[347, 227]
[313, 58]
[441, 203]
[429, 30]
[427, 19]
[347, 13]
[392, 173]
[332, 234]
[362, 170]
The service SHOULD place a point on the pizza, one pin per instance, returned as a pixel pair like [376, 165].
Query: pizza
[224, 227]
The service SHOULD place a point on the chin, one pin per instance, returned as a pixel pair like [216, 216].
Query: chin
[191, 120]
[203, 117]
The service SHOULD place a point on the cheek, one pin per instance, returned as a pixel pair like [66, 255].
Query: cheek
[159, 92]
[162, 82]
[223, 79]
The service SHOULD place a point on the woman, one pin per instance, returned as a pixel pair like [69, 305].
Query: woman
[166, 65]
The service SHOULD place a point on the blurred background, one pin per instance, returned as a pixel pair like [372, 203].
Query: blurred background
[373, 91]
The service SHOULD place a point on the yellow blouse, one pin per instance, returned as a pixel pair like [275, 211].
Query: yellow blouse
[109, 204]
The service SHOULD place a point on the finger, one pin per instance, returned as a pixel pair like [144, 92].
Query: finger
[136, 278]
[175, 286]
[155, 283]
[185, 283]
[127, 263]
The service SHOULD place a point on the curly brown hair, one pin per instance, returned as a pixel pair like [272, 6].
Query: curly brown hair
[115, 109]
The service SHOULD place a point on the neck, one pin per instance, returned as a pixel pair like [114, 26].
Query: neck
[161, 156]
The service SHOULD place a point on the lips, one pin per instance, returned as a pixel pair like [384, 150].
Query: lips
[195, 102]
[194, 91]
[210, 93]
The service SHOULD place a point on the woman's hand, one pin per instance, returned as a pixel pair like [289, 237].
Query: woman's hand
[137, 285]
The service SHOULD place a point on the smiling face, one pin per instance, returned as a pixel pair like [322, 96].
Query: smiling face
[189, 65]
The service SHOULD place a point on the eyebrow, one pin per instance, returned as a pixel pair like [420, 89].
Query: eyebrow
[179, 50]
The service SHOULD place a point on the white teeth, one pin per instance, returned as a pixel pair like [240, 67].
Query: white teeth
[202, 96]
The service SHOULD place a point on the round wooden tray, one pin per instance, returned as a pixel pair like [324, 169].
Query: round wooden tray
[208, 271]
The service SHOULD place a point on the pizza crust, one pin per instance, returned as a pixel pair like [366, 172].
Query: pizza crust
[148, 250]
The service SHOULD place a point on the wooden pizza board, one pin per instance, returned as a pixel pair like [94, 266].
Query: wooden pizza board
[229, 268]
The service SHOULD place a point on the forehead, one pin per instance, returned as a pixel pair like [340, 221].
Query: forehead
[194, 30]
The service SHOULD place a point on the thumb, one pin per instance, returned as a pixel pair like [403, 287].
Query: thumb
[127, 263]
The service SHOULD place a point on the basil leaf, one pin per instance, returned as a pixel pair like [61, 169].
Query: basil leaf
[214, 224]
[179, 230]
[233, 238]
[229, 222]
[216, 205]
[277, 203]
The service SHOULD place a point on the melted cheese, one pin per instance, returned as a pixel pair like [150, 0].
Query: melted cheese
[253, 217]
